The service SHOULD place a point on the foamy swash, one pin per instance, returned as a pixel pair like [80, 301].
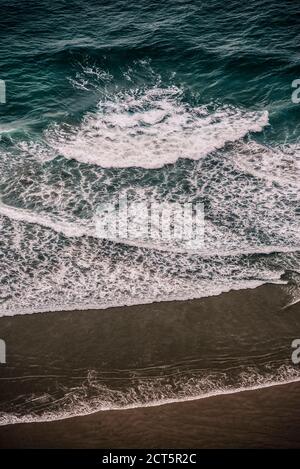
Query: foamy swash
[48, 223]
[146, 393]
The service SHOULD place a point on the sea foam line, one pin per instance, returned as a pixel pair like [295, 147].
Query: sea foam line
[13, 420]
[151, 129]
[87, 228]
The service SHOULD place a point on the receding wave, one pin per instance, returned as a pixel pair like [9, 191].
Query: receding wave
[94, 396]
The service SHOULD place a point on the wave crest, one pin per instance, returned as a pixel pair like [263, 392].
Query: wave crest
[150, 129]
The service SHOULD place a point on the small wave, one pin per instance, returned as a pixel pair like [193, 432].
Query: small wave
[63, 260]
[75, 229]
[206, 289]
[279, 165]
[57, 224]
[151, 129]
[148, 394]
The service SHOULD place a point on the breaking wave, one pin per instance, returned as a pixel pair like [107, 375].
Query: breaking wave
[151, 129]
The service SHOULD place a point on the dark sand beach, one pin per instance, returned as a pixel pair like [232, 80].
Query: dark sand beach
[110, 370]
[265, 418]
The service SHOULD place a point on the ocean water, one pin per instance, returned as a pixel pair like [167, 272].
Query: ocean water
[180, 101]
[183, 101]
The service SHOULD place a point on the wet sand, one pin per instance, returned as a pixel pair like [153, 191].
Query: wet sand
[265, 418]
[131, 350]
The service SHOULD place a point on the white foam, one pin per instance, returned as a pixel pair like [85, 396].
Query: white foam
[151, 129]
[149, 394]
[74, 260]
[59, 225]
[66, 274]
[279, 165]
[87, 228]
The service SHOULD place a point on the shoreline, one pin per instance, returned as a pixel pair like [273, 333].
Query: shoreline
[111, 306]
[244, 420]
[181, 355]
[155, 404]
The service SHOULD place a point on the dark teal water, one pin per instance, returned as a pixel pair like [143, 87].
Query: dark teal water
[183, 101]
